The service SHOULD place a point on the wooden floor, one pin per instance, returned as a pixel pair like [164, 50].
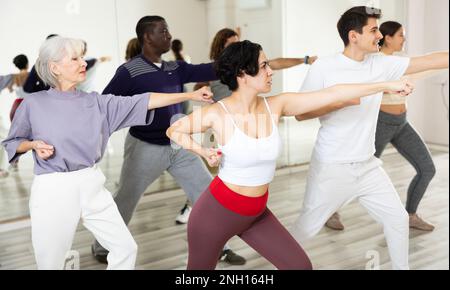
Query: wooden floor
[162, 244]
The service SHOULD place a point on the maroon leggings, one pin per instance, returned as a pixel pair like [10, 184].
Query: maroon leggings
[211, 225]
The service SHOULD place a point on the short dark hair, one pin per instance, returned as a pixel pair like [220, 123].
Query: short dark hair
[237, 59]
[355, 19]
[389, 28]
[21, 61]
[218, 44]
[146, 24]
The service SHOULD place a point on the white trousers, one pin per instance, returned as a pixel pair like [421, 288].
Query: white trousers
[331, 186]
[57, 203]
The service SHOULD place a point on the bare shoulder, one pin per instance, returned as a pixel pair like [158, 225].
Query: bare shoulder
[275, 103]
[210, 113]
[212, 109]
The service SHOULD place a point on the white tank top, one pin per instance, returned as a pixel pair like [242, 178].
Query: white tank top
[20, 93]
[392, 99]
[248, 161]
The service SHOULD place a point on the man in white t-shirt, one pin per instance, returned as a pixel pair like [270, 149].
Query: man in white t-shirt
[343, 166]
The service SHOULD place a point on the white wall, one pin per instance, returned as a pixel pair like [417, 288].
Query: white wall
[106, 25]
[428, 30]
[262, 25]
[220, 14]
[25, 24]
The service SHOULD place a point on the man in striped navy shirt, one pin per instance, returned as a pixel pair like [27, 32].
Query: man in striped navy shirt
[148, 151]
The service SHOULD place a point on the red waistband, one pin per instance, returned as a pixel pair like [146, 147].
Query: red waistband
[240, 204]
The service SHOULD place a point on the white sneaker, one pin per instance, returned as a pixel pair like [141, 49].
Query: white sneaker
[183, 217]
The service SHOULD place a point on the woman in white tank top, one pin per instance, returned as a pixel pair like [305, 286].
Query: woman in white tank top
[245, 126]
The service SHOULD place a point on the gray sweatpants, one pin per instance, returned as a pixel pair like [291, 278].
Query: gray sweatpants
[397, 130]
[144, 163]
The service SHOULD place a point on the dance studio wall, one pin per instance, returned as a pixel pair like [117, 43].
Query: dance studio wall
[427, 30]
[261, 25]
[106, 25]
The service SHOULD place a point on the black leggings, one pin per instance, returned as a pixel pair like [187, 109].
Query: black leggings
[211, 225]
[396, 130]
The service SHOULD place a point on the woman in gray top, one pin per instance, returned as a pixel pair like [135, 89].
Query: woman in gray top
[68, 131]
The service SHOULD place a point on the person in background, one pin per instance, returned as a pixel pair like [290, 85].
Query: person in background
[34, 84]
[133, 49]
[179, 55]
[21, 62]
[91, 69]
[5, 81]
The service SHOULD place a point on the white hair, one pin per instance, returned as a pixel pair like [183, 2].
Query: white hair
[54, 50]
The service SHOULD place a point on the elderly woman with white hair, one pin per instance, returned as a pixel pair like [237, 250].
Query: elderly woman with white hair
[68, 130]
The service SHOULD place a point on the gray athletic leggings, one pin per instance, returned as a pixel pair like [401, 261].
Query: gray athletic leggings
[396, 130]
[211, 225]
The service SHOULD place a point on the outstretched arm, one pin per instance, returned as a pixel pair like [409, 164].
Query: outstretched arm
[433, 61]
[158, 100]
[5, 81]
[284, 63]
[294, 104]
[328, 109]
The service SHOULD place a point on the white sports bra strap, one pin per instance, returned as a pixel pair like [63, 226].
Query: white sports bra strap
[225, 108]
[270, 111]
